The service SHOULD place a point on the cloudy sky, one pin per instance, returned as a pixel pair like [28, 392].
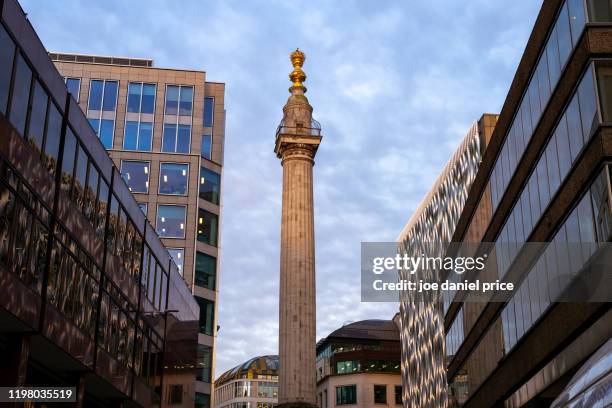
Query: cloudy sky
[395, 85]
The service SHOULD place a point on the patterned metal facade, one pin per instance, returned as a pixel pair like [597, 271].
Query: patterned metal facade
[431, 227]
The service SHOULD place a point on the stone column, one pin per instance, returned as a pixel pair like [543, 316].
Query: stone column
[296, 145]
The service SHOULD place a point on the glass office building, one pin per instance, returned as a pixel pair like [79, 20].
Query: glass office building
[165, 130]
[545, 177]
[89, 296]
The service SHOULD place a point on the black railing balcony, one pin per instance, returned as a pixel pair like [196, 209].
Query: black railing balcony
[313, 130]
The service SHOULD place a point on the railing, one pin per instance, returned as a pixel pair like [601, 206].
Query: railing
[297, 131]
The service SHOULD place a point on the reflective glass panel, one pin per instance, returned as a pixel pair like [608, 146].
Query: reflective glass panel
[173, 178]
[205, 270]
[7, 53]
[148, 98]
[209, 185]
[178, 256]
[183, 140]
[186, 100]
[172, 96]
[21, 95]
[130, 140]
[110, 96]
[206, 149]
[95, 94]
[133, 98]
[136, 175]
[74, 87]
[209, 104]
[36, 127]
[207, 227]
[171, 221]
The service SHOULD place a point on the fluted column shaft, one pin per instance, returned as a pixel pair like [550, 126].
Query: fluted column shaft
[297, 317]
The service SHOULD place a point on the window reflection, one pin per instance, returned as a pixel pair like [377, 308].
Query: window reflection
[136, 175]
[207, 227]
[178, 256]
[173, 178]
[209, 185]
[171, 221]
[7, 52]
[207, 313]
[205, 270]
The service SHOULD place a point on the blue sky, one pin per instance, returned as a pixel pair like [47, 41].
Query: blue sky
[395, 85]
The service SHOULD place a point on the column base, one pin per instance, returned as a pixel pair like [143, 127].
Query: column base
[296, 405]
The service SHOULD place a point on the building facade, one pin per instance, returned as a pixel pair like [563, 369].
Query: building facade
[545, 178]
[164, 130]
[89, 296]
[430, 230]
[358, 365]
[252, 384]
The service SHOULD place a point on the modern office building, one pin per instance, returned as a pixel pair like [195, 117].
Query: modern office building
[544, 178]
[429, 230]
[358, 365]
[164, 129]
[252, 384]
[89, 296]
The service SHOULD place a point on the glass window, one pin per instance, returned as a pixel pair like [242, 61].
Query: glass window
[543, 80]
[380, 394]
[207, 227]
[68, 160]
[173, 178]
[7, 53]
[577, 18]
[563, 35]
[172, 96]
[209, 185]
[183, 140]
[205, 270]
[80, 177]
[145, 136]
[204, 363]
[398, 395]
[345, 367]
[143, 207]
[21, 95]
[133, 99]
[169, 138]
[552, 55]
[96, 88]
[171, 221]
[36, 127]
[106, 133]
[130, 139]
[209, 105]
[604, 85]
[202, 400]
[563, 147]
[206, 150]
[136, 175]
[207, 314]
[109, 104]
[52, 138]
[346, 394]
[588, 106]
[599, 11]
[148, 98]
[552, 164]
[574, 127]
[178, 256]
[74, 87]
[186, 100]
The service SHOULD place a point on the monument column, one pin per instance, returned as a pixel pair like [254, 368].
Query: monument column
[297, 139]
